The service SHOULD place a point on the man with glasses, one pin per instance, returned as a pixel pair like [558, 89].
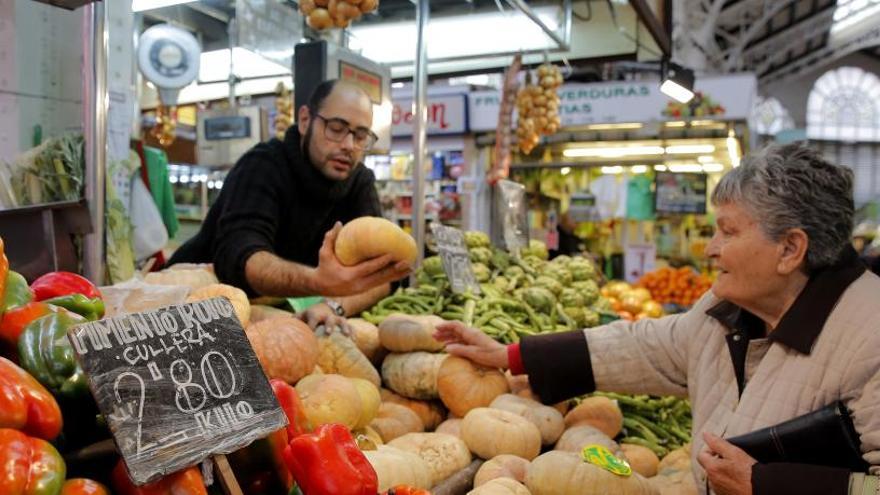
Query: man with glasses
[273, 227]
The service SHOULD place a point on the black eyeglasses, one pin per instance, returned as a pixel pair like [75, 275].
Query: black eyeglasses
[337, 130]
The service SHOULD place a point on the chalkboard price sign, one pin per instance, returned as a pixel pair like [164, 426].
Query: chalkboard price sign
[176, 385]
[456, 261]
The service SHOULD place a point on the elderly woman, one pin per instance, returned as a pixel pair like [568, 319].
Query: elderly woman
[790, 326]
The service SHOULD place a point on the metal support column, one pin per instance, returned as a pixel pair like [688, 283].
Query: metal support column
[95, 103]
[420, 127]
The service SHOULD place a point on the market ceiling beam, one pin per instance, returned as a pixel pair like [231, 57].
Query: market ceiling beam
[654, 25]
[562, 42]
[823, 56]
[762, 55]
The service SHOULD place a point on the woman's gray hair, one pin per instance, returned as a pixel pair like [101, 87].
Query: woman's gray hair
[793, 187]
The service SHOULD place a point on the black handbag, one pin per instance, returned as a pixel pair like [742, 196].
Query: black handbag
[825, 437]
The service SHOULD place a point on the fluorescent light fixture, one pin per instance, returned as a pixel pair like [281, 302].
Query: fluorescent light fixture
[733, 149]
[616, 169]
[687, 167]
[611, 127]
[392, 42]
[565, 170]
[676, 123]
[613, 152]
[660, 168]
[713, 167]
[848, 14]
[639, 169]
[678, 82]
[689, 149]
[706, 159]
[142, 5]
[214, 65]
[397, 85]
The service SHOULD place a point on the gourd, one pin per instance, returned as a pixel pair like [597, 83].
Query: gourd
[338, 354]
[502, 466]
[501, 486]
[370, 401]
[397, 467]
[492, 432]
[366, 338]
[404, 333]
[394, 420]
[548, 420]
[642, 459]
[235, 295]
[330, 399]
[192, 278]
[575, 439]
[445, 454]
[286, 347]
[599, 412]
[674, 475]
[365, 238]
[413, 374]
[464, 385]
[430, 412]
[565, 473]
[260, 312]
[452, 426]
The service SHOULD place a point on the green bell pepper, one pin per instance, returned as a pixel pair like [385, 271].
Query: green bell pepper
[91, 308]
[45, 353]
[17, 292]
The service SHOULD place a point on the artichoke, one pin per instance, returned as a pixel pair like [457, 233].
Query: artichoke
[583, 269]
[537, 249]
[576, 313]
[481, 272]
[560, 273]
[539, 298]
[571, 298]
[548, 283]
[501, 282]
[591, 318]
[602, 304]
[562, 259]
[433, 265]
[475, 239]
[535, 263]
[514, 271]
[500, 260]
[480, 255]
[588, 289]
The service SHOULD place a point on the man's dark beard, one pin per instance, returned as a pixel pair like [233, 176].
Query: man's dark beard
[307, 139]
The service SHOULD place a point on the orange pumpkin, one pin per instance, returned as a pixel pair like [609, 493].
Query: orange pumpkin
[464, 385]
[286, 347]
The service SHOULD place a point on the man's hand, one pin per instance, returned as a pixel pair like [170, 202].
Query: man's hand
[472, 344]
[332, 278]
[728, 467]
[322, 315]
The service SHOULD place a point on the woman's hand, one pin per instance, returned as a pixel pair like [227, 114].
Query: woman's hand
[728, 467]
[472, 344]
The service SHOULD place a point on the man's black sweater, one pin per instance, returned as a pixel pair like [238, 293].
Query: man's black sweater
[275, 200]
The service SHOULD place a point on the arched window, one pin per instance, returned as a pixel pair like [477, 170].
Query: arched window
[769, 117]
[844, 105]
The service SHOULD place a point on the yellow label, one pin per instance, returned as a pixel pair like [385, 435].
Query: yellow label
[602, 457]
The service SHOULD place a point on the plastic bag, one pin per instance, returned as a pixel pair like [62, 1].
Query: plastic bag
[149, 233]
[135, 295]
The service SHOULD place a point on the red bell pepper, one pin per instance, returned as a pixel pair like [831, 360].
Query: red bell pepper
[406, 490]
[83, 486]
[26, 405]
[186, 482]
[297, 422]
[4, 267]
[15, 320]
[328, 462]
[57, 284]
[28, 465]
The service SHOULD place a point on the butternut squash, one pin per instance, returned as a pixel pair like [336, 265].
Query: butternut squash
[366, 338]
[642, 459]
[370, 237]
[338, 354]
[405, 333]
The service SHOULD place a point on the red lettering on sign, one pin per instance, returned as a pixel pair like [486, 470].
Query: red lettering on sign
[436, 116]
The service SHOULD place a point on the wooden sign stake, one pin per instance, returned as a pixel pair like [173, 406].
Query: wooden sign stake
[227, 477]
